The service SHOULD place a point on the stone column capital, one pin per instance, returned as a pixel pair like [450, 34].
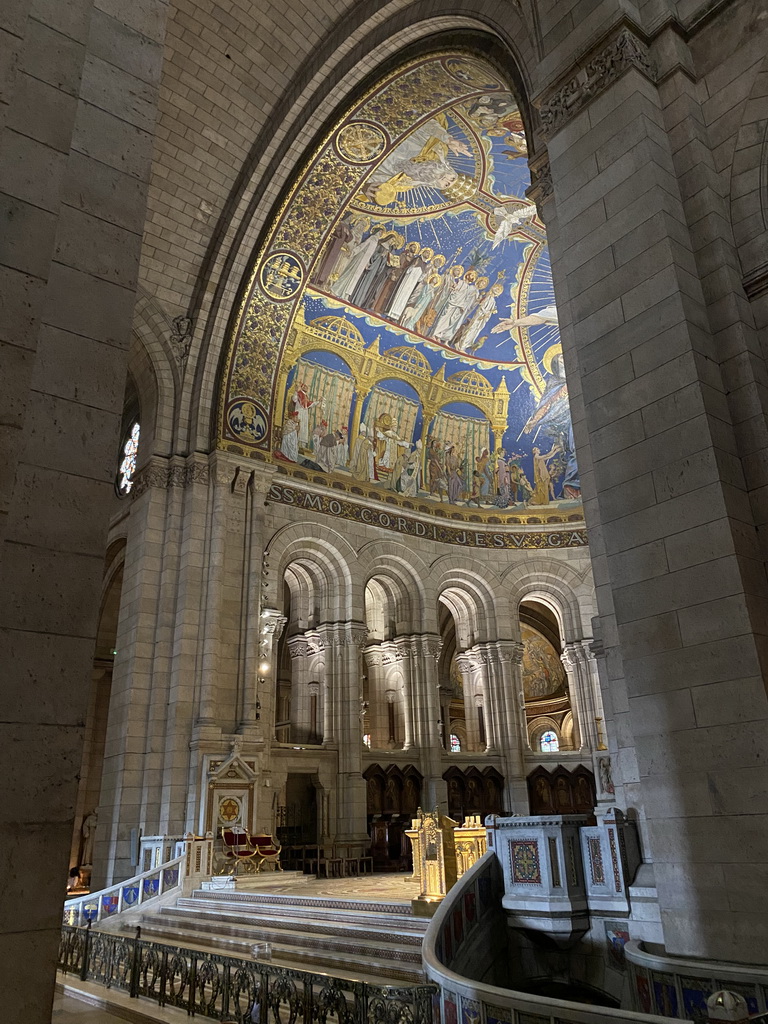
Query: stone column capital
[303, 645]
[468, 661]
[422, 645]
[594, 71]
[540, 191]
[341, 634]
[272, 624]
[499, 651]
[577, 652]
[374, 656]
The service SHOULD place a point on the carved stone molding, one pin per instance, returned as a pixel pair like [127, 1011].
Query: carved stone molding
[498, 652]
[161, 475]
[756, 282]
[151, 476]
[592, 76]
[302, 647]
[577, 652]
[468, 661]
[373, 656]
[273, 626]
[431, 646]
[341, 634]
[181, 338]
[540, 190]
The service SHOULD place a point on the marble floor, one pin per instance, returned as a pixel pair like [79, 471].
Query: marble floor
[389, 888]
[78, 1002]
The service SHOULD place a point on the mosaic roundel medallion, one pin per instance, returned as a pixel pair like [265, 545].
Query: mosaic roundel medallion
[360, 142]
[282, 275]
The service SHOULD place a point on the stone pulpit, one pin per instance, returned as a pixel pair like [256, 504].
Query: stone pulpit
[434, 859]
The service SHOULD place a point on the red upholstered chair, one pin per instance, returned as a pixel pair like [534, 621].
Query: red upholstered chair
[237, 846]
[266, 848]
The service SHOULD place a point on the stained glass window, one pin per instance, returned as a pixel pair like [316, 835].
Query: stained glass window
[128, 464]
[455, 744]
[549, 742]
[367, 740]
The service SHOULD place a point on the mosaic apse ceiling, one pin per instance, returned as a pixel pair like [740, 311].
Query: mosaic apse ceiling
[398, 339]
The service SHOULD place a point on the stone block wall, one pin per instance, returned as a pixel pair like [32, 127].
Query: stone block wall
[77, 109]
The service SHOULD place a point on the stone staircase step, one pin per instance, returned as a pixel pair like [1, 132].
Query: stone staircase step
[383, 923]
[385, 945]
[373, 969]
[356, 931]
[391, 914]
[366, 939]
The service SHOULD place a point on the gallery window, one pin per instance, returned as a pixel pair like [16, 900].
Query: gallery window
[367, 740]
[127, 469]
[549, 743]
[455, 744]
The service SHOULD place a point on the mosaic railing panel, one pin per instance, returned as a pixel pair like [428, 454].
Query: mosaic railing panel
[455, 928]
[680, 987]
[195, 859]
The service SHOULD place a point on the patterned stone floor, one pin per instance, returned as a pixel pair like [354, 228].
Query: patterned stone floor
[389, 888]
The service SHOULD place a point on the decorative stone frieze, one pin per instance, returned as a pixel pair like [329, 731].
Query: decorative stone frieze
[160, 475]
[593, 75]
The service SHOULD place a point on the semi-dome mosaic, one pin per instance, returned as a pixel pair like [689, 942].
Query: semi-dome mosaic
[399, 330]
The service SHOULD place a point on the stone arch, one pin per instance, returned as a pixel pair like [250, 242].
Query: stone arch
[369, 41]
[320, 558]
[749, 189]
[471, 598]
[156, 375]
[538, 727]
[556, 585]
[402, 573]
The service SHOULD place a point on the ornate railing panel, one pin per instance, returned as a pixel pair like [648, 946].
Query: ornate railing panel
[195, 859]
[223, 987]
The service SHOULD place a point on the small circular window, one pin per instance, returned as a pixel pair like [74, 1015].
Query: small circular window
[127, 470]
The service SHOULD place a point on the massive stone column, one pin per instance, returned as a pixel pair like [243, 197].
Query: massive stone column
[304, 654]
[472, 670]
[425, 651]
[584, 690]
[343, 644]
[678, 567]
[507, 717]
[405, 663]
[77, 114]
